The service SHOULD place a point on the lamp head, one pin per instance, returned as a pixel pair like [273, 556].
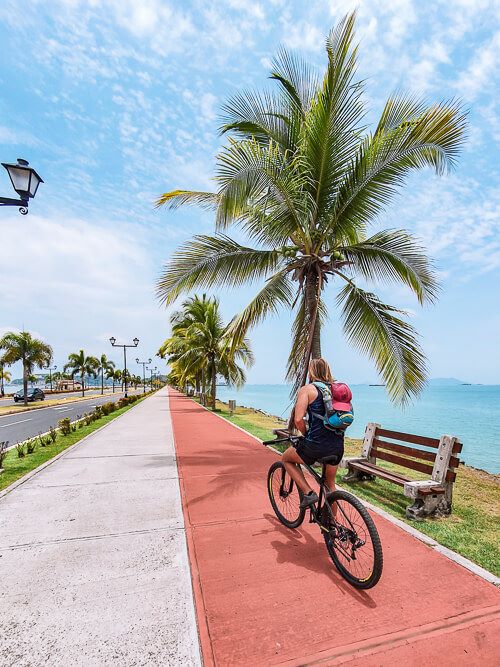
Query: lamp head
[112, 340]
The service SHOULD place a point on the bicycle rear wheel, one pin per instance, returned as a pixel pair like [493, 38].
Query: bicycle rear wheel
[285, 496]
[353, 542]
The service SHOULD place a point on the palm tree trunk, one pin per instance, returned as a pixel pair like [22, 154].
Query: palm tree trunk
[312, 293]
[102, 381]
[83, 382]
[213, 385]
[313, 348]
[25, 382]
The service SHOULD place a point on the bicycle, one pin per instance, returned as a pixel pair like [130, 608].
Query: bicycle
[350, 535]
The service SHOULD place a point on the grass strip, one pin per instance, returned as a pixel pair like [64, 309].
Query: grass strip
[15, 468]
[472, 530]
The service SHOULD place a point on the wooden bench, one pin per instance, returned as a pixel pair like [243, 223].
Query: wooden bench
[431, 497]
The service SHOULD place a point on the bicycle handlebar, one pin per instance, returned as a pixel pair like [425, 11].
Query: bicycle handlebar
[291, 438]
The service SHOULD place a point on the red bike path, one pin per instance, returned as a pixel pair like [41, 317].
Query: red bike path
[266, 595]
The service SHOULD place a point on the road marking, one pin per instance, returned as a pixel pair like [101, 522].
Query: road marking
[12, 423]
[63, 409]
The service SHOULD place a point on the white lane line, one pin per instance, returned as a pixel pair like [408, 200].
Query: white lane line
[12, 423]
[64, 409]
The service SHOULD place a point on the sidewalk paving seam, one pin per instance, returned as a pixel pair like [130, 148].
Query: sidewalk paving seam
[85, 538]
[110, 481]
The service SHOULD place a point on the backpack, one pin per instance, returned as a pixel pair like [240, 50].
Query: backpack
[333, 420]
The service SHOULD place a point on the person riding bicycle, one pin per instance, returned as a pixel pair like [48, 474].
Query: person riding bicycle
[318, 441]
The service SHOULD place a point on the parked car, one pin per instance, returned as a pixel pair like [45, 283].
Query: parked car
[32, 395]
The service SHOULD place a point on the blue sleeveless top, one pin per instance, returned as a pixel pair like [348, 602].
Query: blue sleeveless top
[317, 432]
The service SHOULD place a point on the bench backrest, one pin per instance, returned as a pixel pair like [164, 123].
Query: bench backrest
[439, 464]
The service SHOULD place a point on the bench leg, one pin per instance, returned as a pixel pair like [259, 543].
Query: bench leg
[430, 505]
[357, 476]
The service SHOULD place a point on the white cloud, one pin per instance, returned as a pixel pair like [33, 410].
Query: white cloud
[482, 71]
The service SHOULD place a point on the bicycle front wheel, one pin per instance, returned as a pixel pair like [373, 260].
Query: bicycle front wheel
[353, 542]
[284, 495]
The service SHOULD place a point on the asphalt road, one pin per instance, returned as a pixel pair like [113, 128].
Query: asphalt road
[23, 425]
[49, 397]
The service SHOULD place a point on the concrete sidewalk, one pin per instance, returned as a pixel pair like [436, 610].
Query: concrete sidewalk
[266, 595]
[93, 561]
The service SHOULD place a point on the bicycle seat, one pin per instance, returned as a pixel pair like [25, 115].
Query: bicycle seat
[333, 460]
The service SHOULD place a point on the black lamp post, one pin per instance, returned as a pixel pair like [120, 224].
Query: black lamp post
[151, 378]
[135, 343]
[144, 364]
[25, 182]
[50, 369]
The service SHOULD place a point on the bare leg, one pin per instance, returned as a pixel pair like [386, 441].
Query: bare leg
[330, 474]
[292, 463]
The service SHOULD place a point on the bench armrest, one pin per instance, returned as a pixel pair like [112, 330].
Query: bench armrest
[351, 459]
[412, 489]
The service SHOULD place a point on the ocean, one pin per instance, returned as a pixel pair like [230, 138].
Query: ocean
[472, 413]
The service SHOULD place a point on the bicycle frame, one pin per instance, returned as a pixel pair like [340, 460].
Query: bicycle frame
[315, 512]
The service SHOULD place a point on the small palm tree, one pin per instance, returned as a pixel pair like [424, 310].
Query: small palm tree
[81, 364]
[30, 351]
[5, 376]
[200, 346]
[303, 178]
[116, 376]
[105, 366]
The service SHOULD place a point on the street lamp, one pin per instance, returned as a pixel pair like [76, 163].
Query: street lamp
[50, 369]
[144, 364]
[152, 371]
[25, 182]
[135, 343]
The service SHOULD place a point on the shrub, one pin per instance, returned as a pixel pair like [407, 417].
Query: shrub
[21, 452]
[107, 408]
[65, 426]
[30, 446]
[3, 452]
[87, 418]
[52, 434]
[97, 412]
[73, 428]
[42, 442]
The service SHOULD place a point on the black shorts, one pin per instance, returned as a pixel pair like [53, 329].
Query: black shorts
[310, 452]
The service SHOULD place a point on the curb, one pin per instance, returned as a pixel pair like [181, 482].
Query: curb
[444, 551]
[41, 467]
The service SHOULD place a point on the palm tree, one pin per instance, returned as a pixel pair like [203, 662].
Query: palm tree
[30, 351]
[200, 346]
[81, 364]
[105, 366]
[303, 178]
[5, 376]
[115, 376]
[193, 310]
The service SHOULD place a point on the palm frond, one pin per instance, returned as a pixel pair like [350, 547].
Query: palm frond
[393, 255]
[384, 160]
[208, 260]
[276, 292]
[376, 329]
[177, 198]
[333, 122]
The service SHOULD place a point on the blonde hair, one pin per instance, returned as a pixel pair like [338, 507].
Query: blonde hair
[319, 371]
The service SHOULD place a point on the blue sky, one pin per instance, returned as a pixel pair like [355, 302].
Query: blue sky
[116, 101]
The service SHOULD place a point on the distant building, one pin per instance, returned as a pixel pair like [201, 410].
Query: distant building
[68, 385]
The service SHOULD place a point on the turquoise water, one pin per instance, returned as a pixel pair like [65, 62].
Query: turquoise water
[472, 413]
